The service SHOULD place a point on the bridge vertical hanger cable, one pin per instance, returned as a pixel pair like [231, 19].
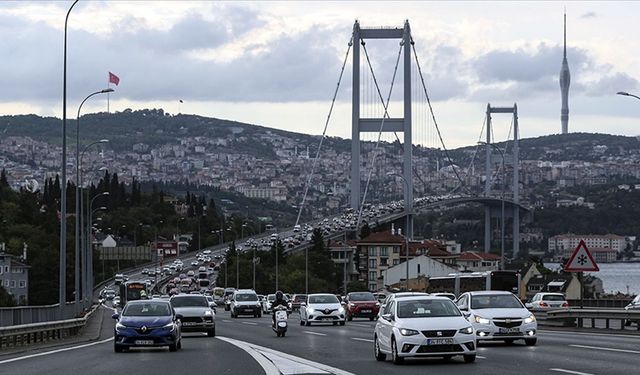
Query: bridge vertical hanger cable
[475, 153]
[384, 117]
[433, 116]
[324, 132]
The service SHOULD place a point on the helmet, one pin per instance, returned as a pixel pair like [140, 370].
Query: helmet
[279, 296]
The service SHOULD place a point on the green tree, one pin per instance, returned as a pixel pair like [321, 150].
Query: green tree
[6, 299]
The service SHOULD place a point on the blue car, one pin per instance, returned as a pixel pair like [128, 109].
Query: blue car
[147, 323]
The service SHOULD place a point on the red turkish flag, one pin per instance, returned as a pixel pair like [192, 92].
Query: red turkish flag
[113, 79]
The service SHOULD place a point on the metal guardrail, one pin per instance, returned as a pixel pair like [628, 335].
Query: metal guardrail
[602, 302]
[597, 318]
[27, 334]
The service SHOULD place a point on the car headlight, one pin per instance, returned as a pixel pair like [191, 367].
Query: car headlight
[208, 313]
[529, 319]
[468, 330]
[120, 326]
[482, 320]
[341, 310]
[169, 327]
[310, 310]
[408, 332]
[258, 304]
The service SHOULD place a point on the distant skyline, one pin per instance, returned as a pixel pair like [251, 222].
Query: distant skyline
[277, 63]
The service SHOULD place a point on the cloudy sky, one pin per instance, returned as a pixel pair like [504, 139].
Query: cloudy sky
[277, 63]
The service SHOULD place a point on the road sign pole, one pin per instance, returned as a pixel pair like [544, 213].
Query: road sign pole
[581, 275]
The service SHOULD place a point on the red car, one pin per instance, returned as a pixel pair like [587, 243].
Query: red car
[362, 305]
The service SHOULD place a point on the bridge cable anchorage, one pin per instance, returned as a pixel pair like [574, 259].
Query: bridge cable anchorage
[384, 117]
[475, 153]
[435, 123]
[324, 132]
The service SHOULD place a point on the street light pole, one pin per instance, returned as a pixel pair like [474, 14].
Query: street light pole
[78, 214]
[87, 253]
[501, 205]
[623, 93]
[254, 267]
[62, 292]
[90, 224]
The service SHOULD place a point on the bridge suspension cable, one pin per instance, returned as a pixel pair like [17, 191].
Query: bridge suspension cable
[324, 132]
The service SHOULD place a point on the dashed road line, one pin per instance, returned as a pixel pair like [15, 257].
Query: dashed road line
[605, 349]
[570, 371]
[315, 333]
[363, 340]
[56, 351]
[250, 323]
[227, 321]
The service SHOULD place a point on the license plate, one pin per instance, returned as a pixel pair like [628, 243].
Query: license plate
[440, 342]
[248, 310]
[144, 342]
[189, 324]
[366, 311]
[509, 330]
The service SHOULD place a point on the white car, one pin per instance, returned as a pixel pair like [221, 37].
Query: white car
[423, 326]
[322, 308]
[548, 301]
[266, 304]
[498, 315]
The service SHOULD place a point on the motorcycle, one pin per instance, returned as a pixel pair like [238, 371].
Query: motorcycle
[279, 325]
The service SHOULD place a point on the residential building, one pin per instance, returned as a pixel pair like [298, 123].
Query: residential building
[478, 261]
[14, 277]
[565, 244]
[420, 266]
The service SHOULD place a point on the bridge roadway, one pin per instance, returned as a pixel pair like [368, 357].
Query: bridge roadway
[331, 349]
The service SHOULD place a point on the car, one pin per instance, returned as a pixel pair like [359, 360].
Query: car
[451, 296]
[197, 314]
[634, 305]
[547, 301]
[362, 304]
[245, 302]
[322, 308]
[116, 301]
[194, 263]
[108, 294]
[190, 273]
[266, 304]
[498, 315]
[145, 271]
[392, 296]
[147, 323]
[423, 326]
[296, 300]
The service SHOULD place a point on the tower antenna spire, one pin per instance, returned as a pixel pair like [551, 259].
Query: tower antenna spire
[565, 32]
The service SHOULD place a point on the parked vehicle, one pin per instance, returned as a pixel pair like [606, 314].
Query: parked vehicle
[423, 326]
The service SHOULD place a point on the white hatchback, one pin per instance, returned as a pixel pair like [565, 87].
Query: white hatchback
[322, 308]
[498, 315]
[423, 326]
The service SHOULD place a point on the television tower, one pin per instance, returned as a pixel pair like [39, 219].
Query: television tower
[565, 81]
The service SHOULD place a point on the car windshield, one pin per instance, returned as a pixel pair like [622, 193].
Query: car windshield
[271, 297]
[191, 301]
[323, 298]
[495, 301]
[146, 309]
[246, 297]
[426, 309]
[362, 297]
[553, 297]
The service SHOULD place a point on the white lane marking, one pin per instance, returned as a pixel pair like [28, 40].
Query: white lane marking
[56, 351]
[605, 349]
[268, 366]
[250, 323]
[360, 325]
[569, 371]
[315, 333]
[481, 357]
[227, 321]
[363, 340]
[321, 366]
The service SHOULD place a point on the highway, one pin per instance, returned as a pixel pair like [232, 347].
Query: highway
[248, 346]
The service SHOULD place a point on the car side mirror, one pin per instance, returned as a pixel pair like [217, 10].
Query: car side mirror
[179, 316]
[466, 315]
[528, 306]
[303, 304]
[115, 316]
[343, 303]
[464, 308]
[387, 317]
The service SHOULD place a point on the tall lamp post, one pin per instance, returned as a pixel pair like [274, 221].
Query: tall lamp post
[78, 199]
[406, 237]
[501, 204]
[62, 292]
[87, 254]
[623, 93]
[88, 235]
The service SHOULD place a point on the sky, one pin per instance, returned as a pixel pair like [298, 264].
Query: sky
[277, 64]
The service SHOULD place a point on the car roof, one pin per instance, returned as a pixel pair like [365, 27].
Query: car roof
[322, 294]
[489, 292]
[143, 301]
[186, 295]
[429, 297]
[245, 291]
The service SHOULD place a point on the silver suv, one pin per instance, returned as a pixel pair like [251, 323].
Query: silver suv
[245, 302]
[197, 315]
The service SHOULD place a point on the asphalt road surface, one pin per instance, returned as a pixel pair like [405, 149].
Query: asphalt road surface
[247, 345]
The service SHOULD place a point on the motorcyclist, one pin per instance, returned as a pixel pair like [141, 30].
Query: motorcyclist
[279, 301]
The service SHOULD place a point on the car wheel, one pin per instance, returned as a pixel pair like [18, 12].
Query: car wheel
[469, 358]
[259, 315]
[508, 341]
[397, 360]
[211, 332]
[283, 333]
[371, 318]
[349, 317]
[307, 323]
[278, 334]
[301, 322]
[173, 347]
[531, 342]
[117, 348]
[380, 356]
[180, 344]
[342, 323]
[335, 323]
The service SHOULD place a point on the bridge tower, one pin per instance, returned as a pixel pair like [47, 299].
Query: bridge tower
[363, 125]
[515, 161]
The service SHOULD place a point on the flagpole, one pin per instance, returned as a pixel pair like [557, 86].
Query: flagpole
[109, 86]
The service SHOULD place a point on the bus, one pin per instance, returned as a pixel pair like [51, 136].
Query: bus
[132, 290]
[458, 283]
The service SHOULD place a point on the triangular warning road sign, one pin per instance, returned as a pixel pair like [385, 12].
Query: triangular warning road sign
[581, 260]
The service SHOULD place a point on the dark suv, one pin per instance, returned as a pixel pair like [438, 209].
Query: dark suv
[362, 304]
